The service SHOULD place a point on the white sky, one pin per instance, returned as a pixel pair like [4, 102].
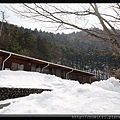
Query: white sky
[66, 97]
[14, 19]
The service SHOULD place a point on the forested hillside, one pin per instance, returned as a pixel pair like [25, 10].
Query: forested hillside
[77, 50]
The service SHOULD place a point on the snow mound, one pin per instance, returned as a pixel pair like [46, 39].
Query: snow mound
[25, 79]
[67, 96]
[111, 84]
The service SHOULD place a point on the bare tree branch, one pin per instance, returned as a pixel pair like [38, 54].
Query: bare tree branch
[62, 18]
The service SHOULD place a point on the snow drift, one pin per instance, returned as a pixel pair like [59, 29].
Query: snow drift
[67, 97]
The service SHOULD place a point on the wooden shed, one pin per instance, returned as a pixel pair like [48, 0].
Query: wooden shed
[13, 61]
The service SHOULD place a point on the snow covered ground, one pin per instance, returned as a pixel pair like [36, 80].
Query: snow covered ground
[66, 97]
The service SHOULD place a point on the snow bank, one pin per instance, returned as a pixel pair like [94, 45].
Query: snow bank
[110, 84]
[24, 79]
[67, 97]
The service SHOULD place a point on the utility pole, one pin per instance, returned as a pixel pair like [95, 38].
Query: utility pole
[3, 18]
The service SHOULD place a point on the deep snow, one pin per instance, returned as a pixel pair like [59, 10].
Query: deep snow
[67, 97]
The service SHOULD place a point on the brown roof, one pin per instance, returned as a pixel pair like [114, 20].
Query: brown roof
[22, 57]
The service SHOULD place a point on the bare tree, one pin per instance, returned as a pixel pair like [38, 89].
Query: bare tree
[68, 17]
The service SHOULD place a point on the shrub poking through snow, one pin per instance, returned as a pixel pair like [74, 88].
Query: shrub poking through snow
[117, 74]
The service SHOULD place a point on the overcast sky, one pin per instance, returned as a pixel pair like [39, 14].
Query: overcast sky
[14, 19]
